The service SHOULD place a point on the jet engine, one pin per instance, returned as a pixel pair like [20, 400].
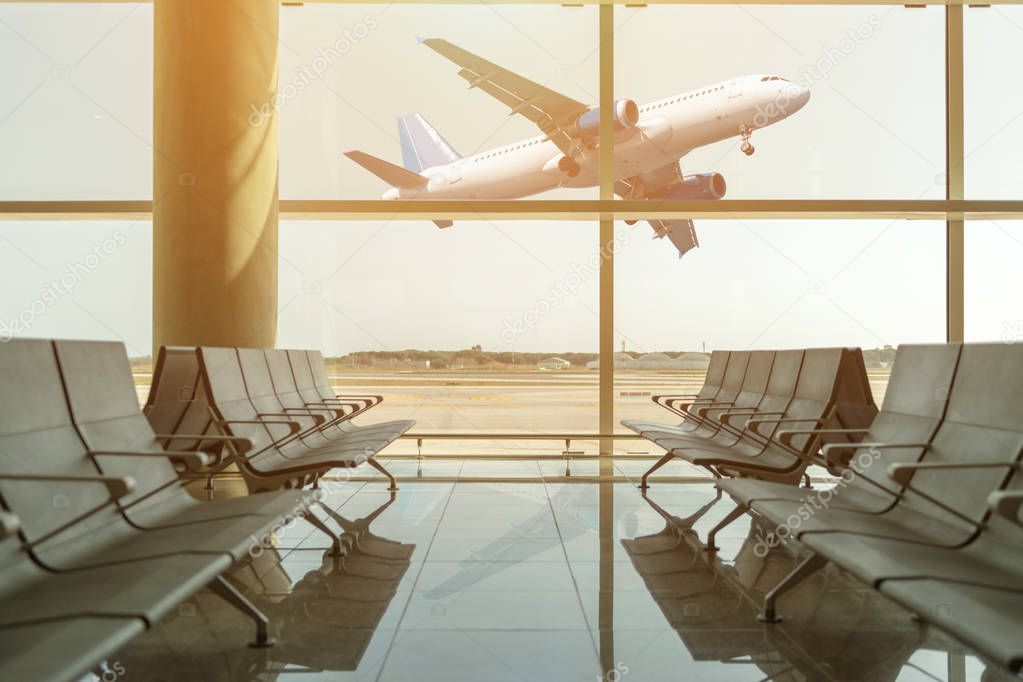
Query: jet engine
[626, 116]
[699, 186]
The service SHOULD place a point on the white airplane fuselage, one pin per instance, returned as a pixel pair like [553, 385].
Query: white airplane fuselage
[667, 130]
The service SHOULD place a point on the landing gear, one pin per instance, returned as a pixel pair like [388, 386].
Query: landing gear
[569, 167]
[746, 148]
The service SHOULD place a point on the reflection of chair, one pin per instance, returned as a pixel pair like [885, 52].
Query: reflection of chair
[322, 621]
[712, 606]
[713, 620]
[943, 537]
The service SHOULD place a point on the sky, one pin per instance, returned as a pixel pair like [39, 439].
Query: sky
[76, 123]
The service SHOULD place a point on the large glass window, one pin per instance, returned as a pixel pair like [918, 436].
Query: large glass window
[762, 284]
[496, 306]
[481, 327]
[350, 72]
[993, 102]
[76, 103]
[87, 280]
[994, 250]
[844, 102]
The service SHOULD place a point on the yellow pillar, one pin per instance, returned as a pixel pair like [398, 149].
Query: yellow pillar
[215, 173]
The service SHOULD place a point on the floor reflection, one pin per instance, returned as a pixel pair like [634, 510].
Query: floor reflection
[553, 582]
[834, 628]
[322, 617]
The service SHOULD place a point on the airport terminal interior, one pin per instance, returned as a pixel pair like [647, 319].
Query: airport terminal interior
[526, 341]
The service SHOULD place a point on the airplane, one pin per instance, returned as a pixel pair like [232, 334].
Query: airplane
[649, 142]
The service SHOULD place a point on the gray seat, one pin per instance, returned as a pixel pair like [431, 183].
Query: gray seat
[913, 408]
[712, 383]
[724, 397]
[75, 557]
[321, 386]
[278, 458]
[62, 650]
[938, 545]
[969, 429]
[291, 401]
[104, 408]
[339, 424]
[760, 453]
[746, 403]
[262, 394]
[355, 443]
[177, 403]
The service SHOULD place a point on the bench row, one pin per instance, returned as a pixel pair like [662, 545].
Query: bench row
[927, 506]
[280, 401]
[761, 413]
[99, 538]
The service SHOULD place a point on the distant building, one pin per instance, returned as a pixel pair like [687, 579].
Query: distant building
[554, 363]
[695, 361]
[689, 361]
[621, 360]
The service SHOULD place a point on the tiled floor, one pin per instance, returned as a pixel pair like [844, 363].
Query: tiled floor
[539, 581]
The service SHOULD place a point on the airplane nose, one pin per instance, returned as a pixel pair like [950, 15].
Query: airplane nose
[799, 97]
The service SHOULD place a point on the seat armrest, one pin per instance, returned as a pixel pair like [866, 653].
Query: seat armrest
[293, 425]
[752, 425]
[309, 411]
[785, 436]
[902, 473]
[675, 396]
[116, 486]
[318, 418]
[241, 443]
[375, 399]
[727, 417]
[1007, 504]
[192, 460]
[9, 525]
[833, 460]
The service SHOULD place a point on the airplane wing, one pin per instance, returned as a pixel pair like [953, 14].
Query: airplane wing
[660, 183]
[552, 112]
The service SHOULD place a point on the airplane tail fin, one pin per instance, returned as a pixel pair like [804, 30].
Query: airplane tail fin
[421, 145]
[393, 175]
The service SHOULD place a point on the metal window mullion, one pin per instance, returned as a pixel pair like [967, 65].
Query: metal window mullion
[606, 177]
[954, 173]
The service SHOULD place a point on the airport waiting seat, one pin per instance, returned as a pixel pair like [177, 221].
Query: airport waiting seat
[338, 425]
[813, 400]
[177, 402]
[724, 395]
[354, 444]
[914, 406]
[278, 458]
[76, 555]
[309, 371]
[321, 382]
[711, 385]
[750, 392]
[69, 627]
[104, 409]
[949, 535]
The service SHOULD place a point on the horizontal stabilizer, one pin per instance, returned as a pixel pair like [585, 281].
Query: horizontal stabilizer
[396, 176]
[682, 233]
[443, 223]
